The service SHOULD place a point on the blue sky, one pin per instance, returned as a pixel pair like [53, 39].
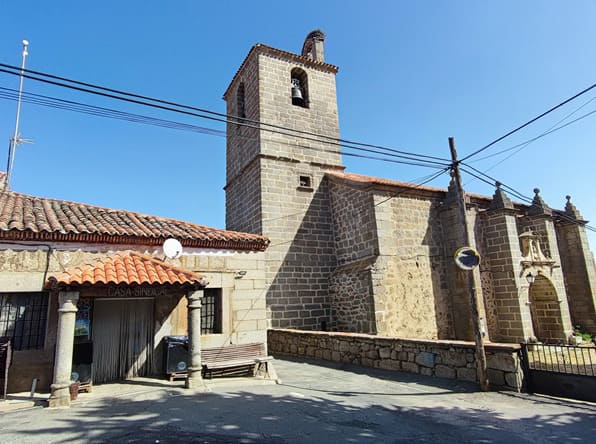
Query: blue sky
[411, 75]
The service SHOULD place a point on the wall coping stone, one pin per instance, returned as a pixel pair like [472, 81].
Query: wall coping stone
[441, 343]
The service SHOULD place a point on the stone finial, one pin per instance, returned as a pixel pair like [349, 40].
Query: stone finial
[500, 200]
[539, 207]
[313, 46]
[571, 210]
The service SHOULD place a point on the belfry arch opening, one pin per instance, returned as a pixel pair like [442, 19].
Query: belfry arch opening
[240, 107]
[299, 88]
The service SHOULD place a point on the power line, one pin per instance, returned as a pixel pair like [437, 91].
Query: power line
[424, 180]
[550, 130]
[529, 122]
[519, 195]
[528, 142]
[413, 158]
[69, 105]
[232, 121]
[417, 183]
[413, 183]
[79, 107]
[228, 119]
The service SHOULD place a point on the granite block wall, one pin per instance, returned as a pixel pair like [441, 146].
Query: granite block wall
[410, 275]
[579, 272]
[282, 192]
[501, 248]
[440, 358]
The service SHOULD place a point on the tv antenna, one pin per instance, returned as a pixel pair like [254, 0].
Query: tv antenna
[16, 139]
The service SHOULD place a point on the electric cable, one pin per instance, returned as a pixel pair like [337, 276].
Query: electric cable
[550, 130]
[228, 121]
[138, 118]
[53, 102]
[529, 122]
[228, 118]
[424, 180]
[242, 122]
[529, 201]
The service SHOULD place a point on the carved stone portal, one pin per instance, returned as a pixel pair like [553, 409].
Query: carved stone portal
[532, 256]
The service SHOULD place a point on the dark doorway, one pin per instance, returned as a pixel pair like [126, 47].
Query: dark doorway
[123, 332]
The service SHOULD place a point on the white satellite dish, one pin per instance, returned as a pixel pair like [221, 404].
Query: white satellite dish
[172, 248]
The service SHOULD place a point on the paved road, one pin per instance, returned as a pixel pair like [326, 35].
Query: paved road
[317, 402]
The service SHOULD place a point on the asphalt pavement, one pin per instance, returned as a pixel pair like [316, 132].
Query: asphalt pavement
[316, 402]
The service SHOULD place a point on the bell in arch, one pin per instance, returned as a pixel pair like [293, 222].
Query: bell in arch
[297, 96]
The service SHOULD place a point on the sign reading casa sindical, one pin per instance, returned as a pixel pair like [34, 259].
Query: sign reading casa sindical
[466, 258]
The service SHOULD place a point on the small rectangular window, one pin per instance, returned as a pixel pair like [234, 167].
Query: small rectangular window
[211, 311]
[305, 181]
[23, 318]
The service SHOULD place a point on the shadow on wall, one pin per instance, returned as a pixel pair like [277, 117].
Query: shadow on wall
[299, 294]
[439, 262]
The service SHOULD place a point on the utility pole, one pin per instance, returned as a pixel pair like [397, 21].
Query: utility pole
[16, 139]
[461, 200]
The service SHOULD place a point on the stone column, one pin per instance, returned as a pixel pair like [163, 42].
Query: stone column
[513, 321]
[540, 221]
[578, 267]
[60, 389]
[194, 380]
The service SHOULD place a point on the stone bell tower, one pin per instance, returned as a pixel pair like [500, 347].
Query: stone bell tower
[278, 151]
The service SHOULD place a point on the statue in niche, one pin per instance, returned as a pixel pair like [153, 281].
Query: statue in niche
[532, 255]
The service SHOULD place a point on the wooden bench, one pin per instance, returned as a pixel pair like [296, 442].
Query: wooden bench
[236, 358]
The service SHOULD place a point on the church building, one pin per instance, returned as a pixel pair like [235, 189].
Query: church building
[365, 254]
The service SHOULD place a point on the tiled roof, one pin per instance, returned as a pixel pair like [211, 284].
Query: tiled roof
[371, 180]
[24, 217]
[359, 178]
[125, 268]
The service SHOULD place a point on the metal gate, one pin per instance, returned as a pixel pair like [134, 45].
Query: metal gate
[560, 370]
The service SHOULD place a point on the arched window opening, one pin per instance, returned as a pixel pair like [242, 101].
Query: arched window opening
[299, 85]
[240, 111]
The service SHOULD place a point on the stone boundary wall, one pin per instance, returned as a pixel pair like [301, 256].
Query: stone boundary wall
[441, 358]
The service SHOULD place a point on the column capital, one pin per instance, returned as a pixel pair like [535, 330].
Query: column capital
[195, 298]
[67, 301]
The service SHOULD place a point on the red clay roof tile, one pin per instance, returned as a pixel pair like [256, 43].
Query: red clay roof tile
[371, 180]
[359, 178]
[24, 217]
[125, 268]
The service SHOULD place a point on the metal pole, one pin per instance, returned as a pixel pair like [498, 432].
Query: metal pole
[15, 138]
[480, 354]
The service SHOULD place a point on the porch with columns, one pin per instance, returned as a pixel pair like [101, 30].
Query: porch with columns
[123, 271]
